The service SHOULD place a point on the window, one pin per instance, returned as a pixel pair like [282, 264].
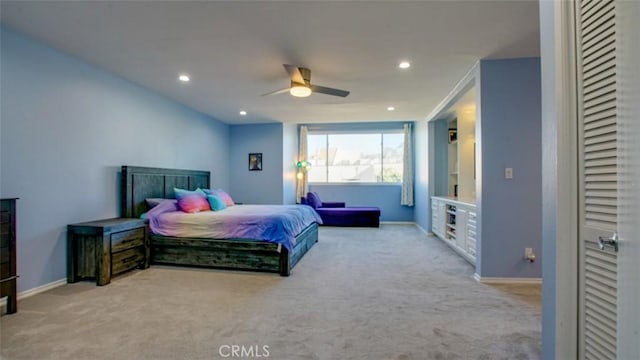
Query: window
[356, 157]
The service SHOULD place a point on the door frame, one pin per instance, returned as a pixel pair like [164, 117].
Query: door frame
[559, 167]
[559, 180]
[627, 15]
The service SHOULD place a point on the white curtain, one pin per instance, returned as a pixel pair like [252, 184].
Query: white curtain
[302, 185]
[407, 168]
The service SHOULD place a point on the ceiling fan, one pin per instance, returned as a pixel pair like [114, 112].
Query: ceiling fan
[301, 84]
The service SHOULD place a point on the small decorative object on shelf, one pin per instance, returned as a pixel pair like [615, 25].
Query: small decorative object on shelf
[451, 222]
[453, 135]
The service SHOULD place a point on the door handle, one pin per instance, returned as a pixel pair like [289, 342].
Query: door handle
[611, 241]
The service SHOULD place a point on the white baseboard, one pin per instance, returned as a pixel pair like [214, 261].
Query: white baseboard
[397, 223]
[406, 223]
[501, 280]
[37, 290]
[423, 230]
[42, 288]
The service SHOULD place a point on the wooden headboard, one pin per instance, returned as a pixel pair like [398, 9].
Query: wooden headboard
[139, 183]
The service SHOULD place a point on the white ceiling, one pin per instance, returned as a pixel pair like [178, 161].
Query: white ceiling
[234, 51]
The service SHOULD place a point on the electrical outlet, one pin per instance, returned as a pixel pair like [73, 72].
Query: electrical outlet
[529, 255]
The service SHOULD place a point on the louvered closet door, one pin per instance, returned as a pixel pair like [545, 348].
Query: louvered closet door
[598, 192]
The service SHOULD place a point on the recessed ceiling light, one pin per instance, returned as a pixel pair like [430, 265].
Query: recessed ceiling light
[184, 78]
[243, 113]
[390, 108]
[404, 65]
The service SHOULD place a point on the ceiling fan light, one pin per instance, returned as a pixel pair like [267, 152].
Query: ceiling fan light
[300, 91]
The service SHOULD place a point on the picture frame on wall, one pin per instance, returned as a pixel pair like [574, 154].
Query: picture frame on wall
[453, 135]
[255, 162]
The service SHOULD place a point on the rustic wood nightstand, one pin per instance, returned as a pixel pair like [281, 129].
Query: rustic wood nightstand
[104, 248]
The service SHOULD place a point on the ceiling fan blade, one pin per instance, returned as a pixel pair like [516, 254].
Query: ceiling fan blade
[276, 92]
[329, 91]
[294, 73]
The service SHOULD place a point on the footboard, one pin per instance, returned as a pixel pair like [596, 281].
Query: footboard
[232, 254]
[304, 242]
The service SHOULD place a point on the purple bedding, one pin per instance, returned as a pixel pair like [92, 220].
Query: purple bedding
[272, 223]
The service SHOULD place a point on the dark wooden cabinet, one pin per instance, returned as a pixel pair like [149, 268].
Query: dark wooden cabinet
[8, 276]
[105, 248]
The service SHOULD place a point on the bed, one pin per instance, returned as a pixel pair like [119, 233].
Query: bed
[141, 183]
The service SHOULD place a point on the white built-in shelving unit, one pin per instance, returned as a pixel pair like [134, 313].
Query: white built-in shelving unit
[454, 221]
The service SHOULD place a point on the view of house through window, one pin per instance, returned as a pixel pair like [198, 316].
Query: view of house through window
[356, 157]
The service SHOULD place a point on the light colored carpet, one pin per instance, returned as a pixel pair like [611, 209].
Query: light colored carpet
[388, 293]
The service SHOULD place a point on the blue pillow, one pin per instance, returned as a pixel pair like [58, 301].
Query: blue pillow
[228, 201]
[216, 202]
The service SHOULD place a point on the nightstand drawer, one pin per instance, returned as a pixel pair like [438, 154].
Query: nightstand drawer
[128, 259]
[127, 239]
[5, 270]
[5, 239]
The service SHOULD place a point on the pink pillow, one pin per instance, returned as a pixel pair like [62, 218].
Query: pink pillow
[192, 201]
[226, 198]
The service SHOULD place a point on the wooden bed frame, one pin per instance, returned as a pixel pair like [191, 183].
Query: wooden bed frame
[140, 183]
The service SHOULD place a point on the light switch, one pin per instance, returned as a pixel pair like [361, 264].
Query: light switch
[508, 173]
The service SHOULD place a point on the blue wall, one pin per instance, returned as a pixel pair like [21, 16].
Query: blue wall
[256, 187]
[66, 129]
[422, 207]
[511, 137]
[386, 197]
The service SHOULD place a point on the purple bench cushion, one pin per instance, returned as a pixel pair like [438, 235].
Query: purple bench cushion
[350, 211]
[350, 216]
[333, 204]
